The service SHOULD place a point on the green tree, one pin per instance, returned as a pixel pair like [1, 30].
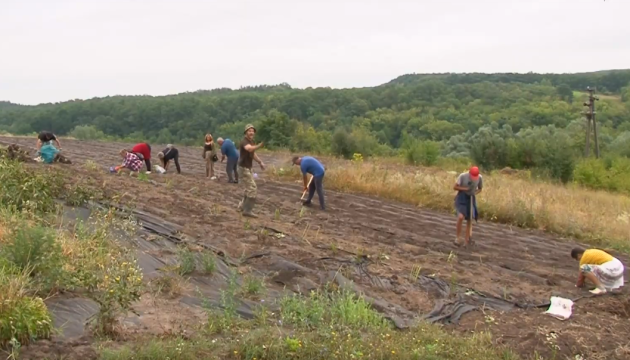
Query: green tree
[565, 93]
[424, 153]
[343, 144]
[276, 129]
[488, 146]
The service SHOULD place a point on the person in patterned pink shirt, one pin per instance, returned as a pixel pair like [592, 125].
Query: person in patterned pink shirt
[131, 161]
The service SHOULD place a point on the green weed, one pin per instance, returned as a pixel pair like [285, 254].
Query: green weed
[172, 349]
[34, 248]
[253, 286]
[415, 273]
[261, 315]
[186, 259]
[91, 165]
[22, 318]
[79, 195]
[170, 285]
[208, 263]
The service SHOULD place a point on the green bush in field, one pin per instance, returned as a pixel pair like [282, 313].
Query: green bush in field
[611, 173]
[23, 189]
[22, 318]
[35, 249]
[426, 153]
[87, 132]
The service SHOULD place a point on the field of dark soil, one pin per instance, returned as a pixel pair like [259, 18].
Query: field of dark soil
[400, 256]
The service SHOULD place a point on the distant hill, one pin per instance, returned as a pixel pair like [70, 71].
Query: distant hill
[9, 105]
[606, 81]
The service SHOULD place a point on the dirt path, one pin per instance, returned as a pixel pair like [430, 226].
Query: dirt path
[526, 267]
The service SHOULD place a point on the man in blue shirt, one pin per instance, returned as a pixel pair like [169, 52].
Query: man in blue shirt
[228, 149]
[310, 165]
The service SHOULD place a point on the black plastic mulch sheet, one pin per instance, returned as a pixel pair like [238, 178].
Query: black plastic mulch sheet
[71, 314]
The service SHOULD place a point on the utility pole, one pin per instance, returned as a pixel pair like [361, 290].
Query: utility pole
[590, 117]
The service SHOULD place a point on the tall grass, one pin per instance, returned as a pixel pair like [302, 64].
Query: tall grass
[596, 217]
[23, 318]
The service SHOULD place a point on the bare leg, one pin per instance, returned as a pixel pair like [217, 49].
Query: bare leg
[207, 164]
[460, 220]
[592, 278]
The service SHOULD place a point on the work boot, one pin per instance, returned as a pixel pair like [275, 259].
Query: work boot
[248, 206]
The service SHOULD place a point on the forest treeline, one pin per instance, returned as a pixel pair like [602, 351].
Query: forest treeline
[519, 120]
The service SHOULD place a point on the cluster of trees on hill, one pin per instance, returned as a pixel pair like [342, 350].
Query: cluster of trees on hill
[517, 120]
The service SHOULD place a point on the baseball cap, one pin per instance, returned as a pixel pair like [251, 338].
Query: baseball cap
[474, 172]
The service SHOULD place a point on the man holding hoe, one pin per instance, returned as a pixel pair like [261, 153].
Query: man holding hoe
[245, 173]
[468, 185]
[310, 165]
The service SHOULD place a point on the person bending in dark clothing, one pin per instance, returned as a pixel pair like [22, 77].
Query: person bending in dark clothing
[46, 136]
[168, 154]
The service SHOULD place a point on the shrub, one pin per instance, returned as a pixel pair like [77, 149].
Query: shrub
[107, 270]
[34, 249]
[87, 132]
[78, 195]
[22, 318]
[119, 287]
[424, 153]
[610, 174]
[22, 189]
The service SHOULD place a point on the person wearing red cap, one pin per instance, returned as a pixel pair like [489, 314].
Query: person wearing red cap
[467, 186]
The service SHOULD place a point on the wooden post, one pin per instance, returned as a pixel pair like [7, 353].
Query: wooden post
[590, 117]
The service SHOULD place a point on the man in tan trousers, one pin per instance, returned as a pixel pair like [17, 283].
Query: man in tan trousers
[245, 173]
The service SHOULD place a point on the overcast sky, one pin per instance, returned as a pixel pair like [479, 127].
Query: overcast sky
[56, 50]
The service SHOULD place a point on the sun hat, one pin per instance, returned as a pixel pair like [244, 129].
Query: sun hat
[249, 126]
